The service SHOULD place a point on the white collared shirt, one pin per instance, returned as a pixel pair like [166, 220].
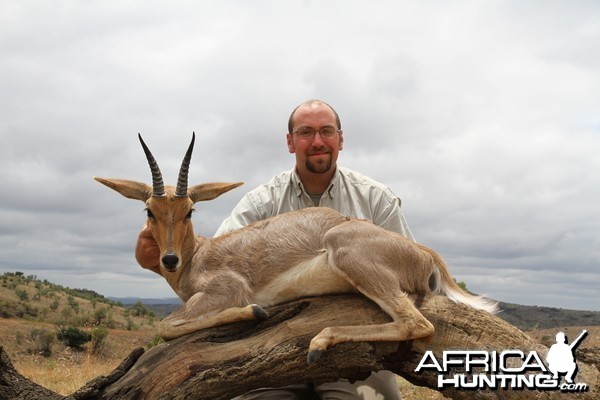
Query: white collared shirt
[349, 192]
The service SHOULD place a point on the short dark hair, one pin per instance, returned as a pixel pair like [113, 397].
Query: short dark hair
[310, 102]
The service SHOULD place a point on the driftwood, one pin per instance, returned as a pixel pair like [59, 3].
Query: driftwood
[222, 362]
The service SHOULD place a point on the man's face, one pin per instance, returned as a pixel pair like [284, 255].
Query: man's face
[317, 155]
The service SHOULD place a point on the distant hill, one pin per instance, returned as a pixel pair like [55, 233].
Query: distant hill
[146, 301]
[27, 297]
[161, 307]
[536, 317]
[523, 317]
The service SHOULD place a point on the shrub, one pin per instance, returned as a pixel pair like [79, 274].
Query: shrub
[22, 295]
[6, 309]
[41, 341]
[9, 309]
[99, 335]
[139, 310]
[66, 314]
[155, 342]
[54, 305]
[73, 303]
[27, 311]
[100, 315]
[132, 326]
[73, 337]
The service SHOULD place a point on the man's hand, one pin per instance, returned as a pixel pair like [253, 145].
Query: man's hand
[147, 252]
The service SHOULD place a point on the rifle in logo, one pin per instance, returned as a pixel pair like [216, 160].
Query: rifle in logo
[560, 356]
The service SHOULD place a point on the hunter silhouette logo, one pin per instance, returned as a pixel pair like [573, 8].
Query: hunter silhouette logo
[508, 369]
[560, 356]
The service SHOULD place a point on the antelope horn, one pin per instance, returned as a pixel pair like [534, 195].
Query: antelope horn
[182, 181]
[158, 186]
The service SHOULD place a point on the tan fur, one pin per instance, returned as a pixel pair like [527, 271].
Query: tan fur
[315, 251]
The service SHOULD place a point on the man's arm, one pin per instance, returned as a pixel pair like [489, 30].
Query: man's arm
[391, 218]
[249, 210]
[147, 252]
[385, 210]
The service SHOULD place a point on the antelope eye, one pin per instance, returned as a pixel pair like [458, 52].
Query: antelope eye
[150, 215]
[189, 215]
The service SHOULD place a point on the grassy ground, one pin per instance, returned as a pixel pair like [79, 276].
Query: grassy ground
[66, 370]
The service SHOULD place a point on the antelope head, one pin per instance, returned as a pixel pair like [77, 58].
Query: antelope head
[170, 208]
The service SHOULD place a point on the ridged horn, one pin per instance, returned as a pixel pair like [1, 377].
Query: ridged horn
[158, 186]
[182, 180]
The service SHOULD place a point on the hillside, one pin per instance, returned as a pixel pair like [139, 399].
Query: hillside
[61, 337]
[525, 318]
[33, 313]
[537, 317]
[35, 300]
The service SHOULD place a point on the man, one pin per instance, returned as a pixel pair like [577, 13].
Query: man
[315, 137]
[560, 358]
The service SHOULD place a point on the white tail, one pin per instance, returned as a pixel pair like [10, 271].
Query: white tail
[441, 282]
[309, 252]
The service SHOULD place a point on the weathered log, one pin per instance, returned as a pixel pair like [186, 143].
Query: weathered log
[222, 362]
[15, 386]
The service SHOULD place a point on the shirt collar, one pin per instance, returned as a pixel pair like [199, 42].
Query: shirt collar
[331, 189]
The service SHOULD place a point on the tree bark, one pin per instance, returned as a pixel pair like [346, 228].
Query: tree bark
[15, 386]
[222, 362]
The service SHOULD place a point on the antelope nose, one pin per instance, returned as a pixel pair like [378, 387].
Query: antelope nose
[170, 261]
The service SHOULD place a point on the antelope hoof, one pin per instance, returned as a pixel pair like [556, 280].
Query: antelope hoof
[259, 312]
[313, 356]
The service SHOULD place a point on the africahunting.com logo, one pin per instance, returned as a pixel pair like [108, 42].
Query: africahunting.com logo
[509, 369]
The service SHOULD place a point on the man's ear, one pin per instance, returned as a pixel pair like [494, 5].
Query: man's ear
[130, 189]
[290, 143]
[209, 191]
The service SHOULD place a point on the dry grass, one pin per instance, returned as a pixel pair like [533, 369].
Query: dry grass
[547, 336]
[45, 306]
[66, 370]
[66, 373]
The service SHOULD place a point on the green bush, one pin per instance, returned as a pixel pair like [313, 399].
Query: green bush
[132, 326]
[10, 309]
[22, 295]
[100, 315]
[6, 309]
[54, 305]
[99, 335]
[73, 337]
[73, 303]
[139, 310]
[154, 342]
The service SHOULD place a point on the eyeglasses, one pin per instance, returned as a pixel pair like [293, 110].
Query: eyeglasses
[307, 132]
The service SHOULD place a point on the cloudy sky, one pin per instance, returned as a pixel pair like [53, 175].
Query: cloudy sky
[483, 116]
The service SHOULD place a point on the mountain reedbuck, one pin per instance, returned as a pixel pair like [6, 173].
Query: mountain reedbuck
[310, 252]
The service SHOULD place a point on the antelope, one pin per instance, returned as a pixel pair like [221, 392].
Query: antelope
[310, 252]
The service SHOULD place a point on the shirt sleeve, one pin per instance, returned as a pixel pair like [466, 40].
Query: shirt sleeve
[388, 215]
[246, 212]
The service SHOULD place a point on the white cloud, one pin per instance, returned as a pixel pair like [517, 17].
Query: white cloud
[481, 117]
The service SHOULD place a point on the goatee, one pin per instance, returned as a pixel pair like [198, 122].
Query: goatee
[319, 167]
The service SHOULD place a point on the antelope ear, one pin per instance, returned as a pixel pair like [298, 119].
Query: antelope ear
[130, 189]
[209, 191]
